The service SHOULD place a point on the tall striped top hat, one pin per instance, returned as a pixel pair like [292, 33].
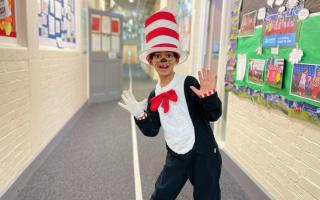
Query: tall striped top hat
[162, 34]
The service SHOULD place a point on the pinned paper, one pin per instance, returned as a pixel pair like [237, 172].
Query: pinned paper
[275, 51]
[295, 56]
[279, 2]
[303, 14]
[256, 68]
[292, 3]
[241, 66]
[259, 50]
[270, 3]
[261, 13]
[282, 9]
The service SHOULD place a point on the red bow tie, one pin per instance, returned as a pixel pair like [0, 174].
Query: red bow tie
[163, 100]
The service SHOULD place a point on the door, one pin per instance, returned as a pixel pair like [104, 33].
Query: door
[105, 56]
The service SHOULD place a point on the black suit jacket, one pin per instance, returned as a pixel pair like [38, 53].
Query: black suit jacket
[201, 110]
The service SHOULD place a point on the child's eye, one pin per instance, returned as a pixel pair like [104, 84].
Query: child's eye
[169, 56]
[158, 56]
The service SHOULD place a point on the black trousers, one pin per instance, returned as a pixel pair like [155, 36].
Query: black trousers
[203, 171]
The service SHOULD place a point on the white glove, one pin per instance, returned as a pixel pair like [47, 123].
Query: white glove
[132, 105]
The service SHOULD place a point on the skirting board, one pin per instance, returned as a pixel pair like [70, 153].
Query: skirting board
[22, 179]
[252, 188]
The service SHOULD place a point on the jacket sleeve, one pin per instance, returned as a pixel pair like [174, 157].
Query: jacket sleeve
[210, 105]
[149, 126]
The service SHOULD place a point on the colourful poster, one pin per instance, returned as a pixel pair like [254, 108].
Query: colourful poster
[281, 29]
[256, 69]
[248, 23]
[305, 81]
[115, 26]
[7, 19]
[95, 23]
[274, 75]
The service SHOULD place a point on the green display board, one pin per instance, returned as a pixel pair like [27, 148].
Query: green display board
[309, 42]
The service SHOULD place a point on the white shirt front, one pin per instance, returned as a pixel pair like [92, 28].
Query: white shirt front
[177, 125]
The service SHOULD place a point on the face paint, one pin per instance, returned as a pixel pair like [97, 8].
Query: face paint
[164, 62]
[163, 57]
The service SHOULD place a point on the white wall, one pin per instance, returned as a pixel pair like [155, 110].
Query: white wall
[281, 154]
[40, 90]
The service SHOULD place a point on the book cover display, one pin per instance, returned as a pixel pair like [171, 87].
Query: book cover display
[285, 81]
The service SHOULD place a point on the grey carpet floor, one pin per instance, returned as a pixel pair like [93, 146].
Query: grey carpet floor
[94, 161]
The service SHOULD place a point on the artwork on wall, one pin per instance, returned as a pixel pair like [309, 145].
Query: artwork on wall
[274, 74]
[241, 66]
[115, 26]
[95, 23]
[281, 29]
[256, 69]
[305, 81]
[57, 20]
[7, 19]
[248, 23]
[276, 78]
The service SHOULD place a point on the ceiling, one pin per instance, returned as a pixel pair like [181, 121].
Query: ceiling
[134, 15]
[138, 10]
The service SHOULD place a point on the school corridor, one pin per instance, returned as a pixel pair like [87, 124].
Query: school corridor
[94, 160]
[64, 65]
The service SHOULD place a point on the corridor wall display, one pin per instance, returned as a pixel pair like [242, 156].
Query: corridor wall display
[291, 88]
[305, 81]
[274, 74]
[281, 28]
[57, 20]
[256, 69]
[231, 62]
[7, 19]
[248, 23]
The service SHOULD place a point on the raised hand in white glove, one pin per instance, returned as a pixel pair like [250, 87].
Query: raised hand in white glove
[135, 107]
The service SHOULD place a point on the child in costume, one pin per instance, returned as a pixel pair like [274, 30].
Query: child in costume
[183, 108]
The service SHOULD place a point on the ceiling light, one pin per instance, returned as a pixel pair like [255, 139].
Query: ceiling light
[131, 1]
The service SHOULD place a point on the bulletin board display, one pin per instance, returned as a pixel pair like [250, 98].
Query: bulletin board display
[57, 21]
[300, 103]
[309, 42]
[7, 19]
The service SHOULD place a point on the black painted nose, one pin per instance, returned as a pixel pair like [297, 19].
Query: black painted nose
[163, 60]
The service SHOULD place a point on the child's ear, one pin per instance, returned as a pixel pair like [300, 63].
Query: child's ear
[177, 60]
[150, 62]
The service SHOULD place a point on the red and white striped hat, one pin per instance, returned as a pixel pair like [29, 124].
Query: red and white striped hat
[162, 34]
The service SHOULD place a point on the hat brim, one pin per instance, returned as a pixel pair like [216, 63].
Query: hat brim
[143, 55]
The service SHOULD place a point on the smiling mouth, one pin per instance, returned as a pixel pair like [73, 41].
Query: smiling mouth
[163, 65]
